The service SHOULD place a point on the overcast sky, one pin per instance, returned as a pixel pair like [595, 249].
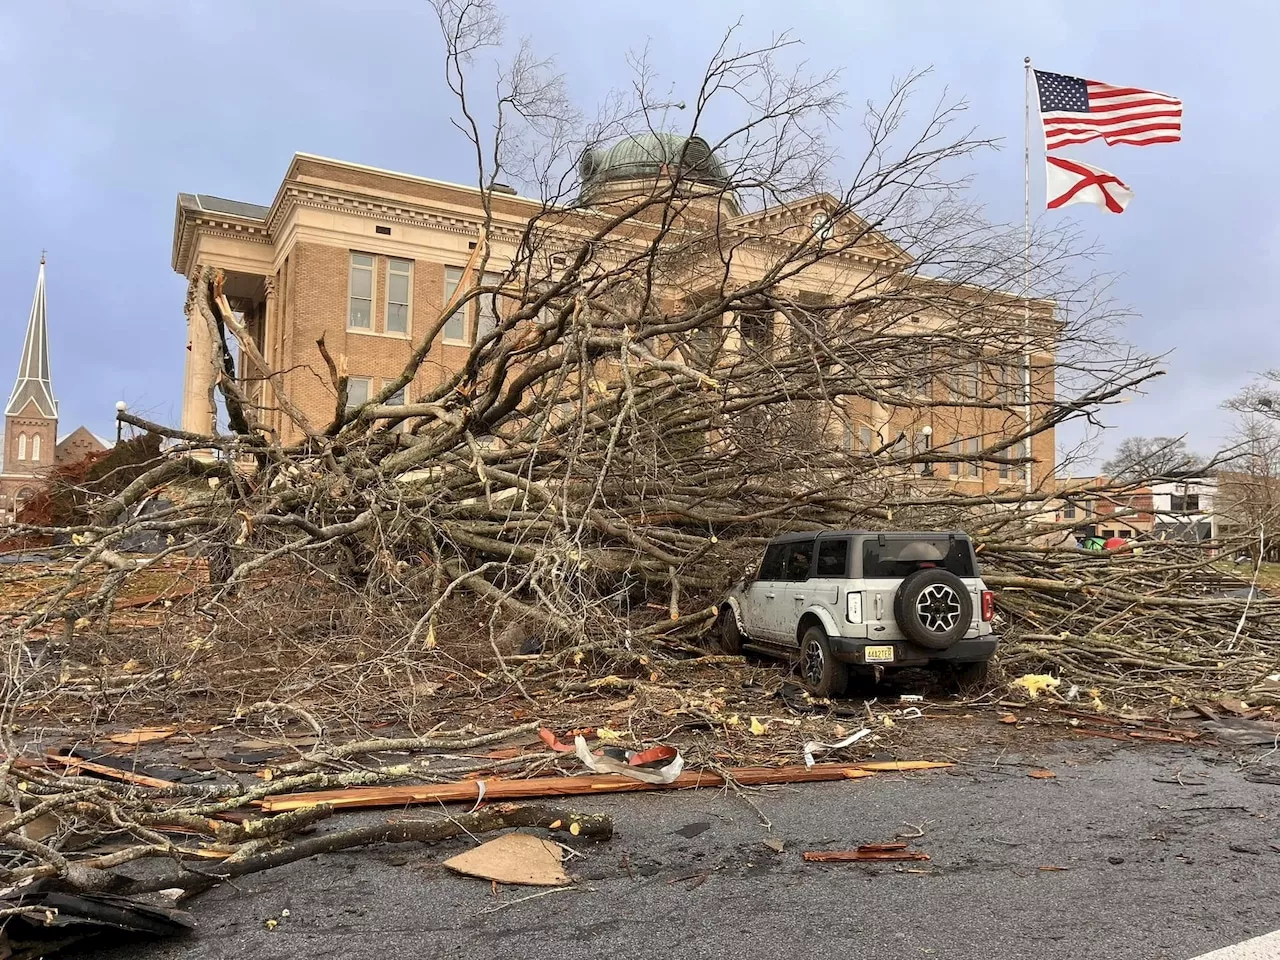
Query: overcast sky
[109, 108]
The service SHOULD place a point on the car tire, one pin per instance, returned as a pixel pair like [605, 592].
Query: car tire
[823, 674]
[970, 676]
[730, 637]
[933, 608]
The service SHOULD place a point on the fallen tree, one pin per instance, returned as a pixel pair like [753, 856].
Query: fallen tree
[644, 411]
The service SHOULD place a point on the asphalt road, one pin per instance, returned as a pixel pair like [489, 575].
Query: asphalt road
[1156, 869]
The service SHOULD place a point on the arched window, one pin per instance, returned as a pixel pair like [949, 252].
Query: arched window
[22, 446]
[23, 495]
[35, 448]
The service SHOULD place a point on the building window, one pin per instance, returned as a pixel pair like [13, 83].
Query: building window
[486, 310]
[399, 283]
[922, 374]
[35, 448]
[1185, 503]
[396, 400]
[867, 439]
[357, 392]
[971, 450]
[360, 301]
[22, 446]
[1068, 511]
[965, 379]
[1014, 471]
[455, 328]
[953, 468]
[1013, 386]
[756, 329]
[479, 316]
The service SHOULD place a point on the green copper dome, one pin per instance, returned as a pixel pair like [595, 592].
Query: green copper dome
[645, 156]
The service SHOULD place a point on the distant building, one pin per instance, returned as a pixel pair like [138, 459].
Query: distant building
[1091, 510]
[1186, 509]
[29, 447]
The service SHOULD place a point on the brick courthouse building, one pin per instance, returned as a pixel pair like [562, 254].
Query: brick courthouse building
[367, 258]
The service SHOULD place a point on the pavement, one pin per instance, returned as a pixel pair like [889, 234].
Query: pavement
[1157, 853]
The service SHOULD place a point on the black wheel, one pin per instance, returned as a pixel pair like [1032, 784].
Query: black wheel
[970, 676]
[933, 608]
[821, 671]
[729, 634]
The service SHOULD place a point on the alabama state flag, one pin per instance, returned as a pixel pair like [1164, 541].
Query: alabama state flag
[1070, 181]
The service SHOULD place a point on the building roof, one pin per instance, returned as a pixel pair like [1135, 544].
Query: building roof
[34, 384]
[234, 208]
[648, 155]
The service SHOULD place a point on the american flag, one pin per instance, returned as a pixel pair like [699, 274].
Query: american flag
[1076, 111]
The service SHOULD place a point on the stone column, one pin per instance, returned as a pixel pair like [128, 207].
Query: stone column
[270, 322]
[198, 411]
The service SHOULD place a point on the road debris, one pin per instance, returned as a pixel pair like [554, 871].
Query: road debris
[1036, 683]
[76, 765]
[815, 746]
[659, 765]
[515, 858]
[866, 852]
[691, 830]
[48, 914]
[1042, 774]
[774, 844]
[500, 789]
[141, 735]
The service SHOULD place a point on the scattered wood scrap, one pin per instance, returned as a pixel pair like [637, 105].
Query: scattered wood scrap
[472, 790]
[518, 858]
[76, 765]
[132, 738]
[868, 851]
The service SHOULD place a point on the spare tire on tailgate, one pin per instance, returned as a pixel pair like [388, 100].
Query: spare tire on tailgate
[933, 608]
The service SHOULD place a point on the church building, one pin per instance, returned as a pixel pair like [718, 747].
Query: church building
[29, 447]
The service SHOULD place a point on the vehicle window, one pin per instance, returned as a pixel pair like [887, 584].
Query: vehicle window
[833, 558]
[899, 558]
[771, 567]
[799, 560]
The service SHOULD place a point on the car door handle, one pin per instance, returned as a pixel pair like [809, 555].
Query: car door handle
[798, 597]
[768, 596]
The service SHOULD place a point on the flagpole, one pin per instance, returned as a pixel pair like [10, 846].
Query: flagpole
[1026, 263]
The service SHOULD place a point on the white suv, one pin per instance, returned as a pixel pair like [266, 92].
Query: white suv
[864, 599]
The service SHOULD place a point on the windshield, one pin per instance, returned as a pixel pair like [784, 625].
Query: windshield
[895, 559]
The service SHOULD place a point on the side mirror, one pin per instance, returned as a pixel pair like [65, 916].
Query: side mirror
[750, 573]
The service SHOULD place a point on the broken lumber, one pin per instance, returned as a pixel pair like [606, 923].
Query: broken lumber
[470, 791]
[868, 851]
[76, 765]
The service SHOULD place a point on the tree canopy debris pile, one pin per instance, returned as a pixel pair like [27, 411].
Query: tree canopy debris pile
[1161, 625]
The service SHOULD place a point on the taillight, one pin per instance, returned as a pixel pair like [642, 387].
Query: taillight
[988, 606]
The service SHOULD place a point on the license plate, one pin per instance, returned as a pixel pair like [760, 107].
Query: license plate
[878, 654]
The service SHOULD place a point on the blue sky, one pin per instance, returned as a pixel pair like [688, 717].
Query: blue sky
[109, 108]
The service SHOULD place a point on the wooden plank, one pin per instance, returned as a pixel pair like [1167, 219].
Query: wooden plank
[498, 789]
[75, 765]
[893, 766]
[870, 852]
